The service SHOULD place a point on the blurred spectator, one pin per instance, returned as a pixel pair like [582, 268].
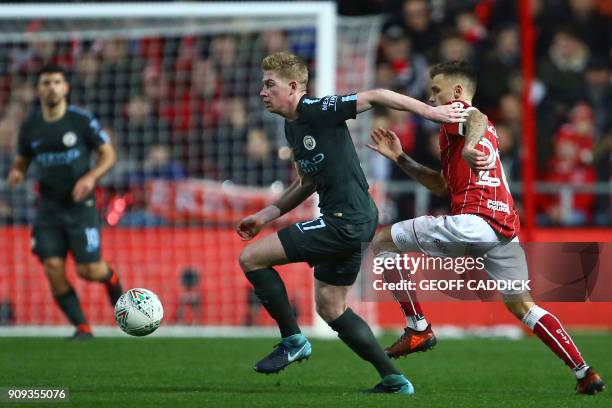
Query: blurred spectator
[547, 18]
[159, 164]
[507, 137]
[511, 112]
[16, 111]
[140, 128]
[409, 69]
[571, 163]
[454, 48]
[156, 88]
[258, 155]
[8, 137]
[121, 72]
[470, 28]
[599, 90]
[85, 90]
[224, 55]
[385, 77]
[196, 108]
[416, 20]
[16, 204]
[274, 41]
[562, 70]
[39, 51]
[8, 144]
[497, 67]
[23, 93]
[580, 130]
[589, 24]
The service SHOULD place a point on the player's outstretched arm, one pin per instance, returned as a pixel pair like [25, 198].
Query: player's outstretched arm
[476, 125]
[106, 160]
[388, 144]
[294, 195]
[393, 100]
[18, 171]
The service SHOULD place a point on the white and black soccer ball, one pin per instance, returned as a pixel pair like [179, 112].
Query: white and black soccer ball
[139, 312]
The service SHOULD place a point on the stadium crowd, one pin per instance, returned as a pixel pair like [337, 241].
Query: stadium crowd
[179, 107]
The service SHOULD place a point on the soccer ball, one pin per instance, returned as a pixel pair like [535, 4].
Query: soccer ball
[139, 312]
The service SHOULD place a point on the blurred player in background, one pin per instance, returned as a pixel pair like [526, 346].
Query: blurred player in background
[482, 217]
[327, 163]
[59, 139]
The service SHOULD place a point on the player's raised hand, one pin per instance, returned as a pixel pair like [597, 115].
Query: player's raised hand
[83, 187]
[386, 143]
[447, 114]
[249, 227]
[15, 177]
[477, 160]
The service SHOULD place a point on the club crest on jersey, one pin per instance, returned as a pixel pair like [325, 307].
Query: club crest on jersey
[69, 139]
[309, 142]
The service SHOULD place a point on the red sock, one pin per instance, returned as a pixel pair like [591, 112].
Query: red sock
[549, 330]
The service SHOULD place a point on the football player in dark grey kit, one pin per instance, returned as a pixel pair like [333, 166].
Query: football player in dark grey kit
[327, 163]
[59, 139]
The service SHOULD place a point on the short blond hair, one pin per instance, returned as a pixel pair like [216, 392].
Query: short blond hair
[288, 66]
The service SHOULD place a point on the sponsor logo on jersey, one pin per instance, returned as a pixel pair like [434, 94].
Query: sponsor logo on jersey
[309, 142]
[311, 166]
[36, 143]
[498, 206]
[310, 101]
[58, 158]
[328, 102]
[69, 139]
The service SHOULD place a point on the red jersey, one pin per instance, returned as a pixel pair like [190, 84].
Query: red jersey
[486, 194]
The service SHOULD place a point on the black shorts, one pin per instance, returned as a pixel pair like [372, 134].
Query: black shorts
[76, 230]
[330, 244]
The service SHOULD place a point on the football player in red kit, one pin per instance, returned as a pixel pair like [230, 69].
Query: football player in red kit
[482, 222]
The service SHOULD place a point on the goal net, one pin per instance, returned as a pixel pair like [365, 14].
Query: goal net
[176, 86]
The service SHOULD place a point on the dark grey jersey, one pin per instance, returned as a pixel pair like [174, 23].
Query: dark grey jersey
[323, 149]
[61, 152]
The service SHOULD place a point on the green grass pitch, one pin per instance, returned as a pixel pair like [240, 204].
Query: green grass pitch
[179, 373]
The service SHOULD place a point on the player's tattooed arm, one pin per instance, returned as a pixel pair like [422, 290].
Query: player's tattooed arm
[18, 171]
[388, 144]
[476, 125]
[393, 100]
